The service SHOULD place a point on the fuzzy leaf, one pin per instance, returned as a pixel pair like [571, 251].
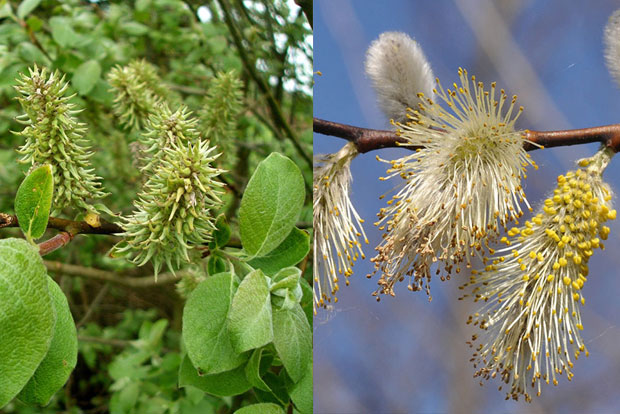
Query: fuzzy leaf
[86, 76]
[290, 252]
[271, 204]
[54, 370]
[205, 327]
[33, 201]
[253, 371]
[249, 320]
[27, 318]
[224, 384]
[292, 338]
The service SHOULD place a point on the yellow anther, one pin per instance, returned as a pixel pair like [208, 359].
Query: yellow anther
[566, 280]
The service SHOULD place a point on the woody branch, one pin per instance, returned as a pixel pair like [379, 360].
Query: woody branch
[367, 140]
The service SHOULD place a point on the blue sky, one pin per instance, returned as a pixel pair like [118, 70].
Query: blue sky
[406, 354]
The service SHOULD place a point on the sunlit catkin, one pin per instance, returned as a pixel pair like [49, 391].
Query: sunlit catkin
[531, 292]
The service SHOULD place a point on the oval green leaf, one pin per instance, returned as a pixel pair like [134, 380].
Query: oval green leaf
[60, 360]
[27, 318]
[62, 32]
[86, 76]
[205, 327]
[26, 6]
[249, 320]
[33, 201]
[271, 204]
[290, 252]
[292, 338]
[224, 384]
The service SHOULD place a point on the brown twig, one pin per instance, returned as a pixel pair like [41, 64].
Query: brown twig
[112, 277]
[73, 227]
[56, 242]
[367, 140]
[69, 229]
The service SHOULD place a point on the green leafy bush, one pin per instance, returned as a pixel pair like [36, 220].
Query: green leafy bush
[144, 144]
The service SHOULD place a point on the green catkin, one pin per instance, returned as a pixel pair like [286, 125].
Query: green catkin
[167, 129]
[222, 105]
[135, 101]
[55, 136]
[173, 212]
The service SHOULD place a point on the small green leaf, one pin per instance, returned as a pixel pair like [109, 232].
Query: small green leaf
[86, 76]
[222, 232]
[301, 392]
[224, 384]
[285, 279]
[253, 372]
[290, 252]
[62, 32]
[292, 338]
[264, 408]
[135, 28]
[277, 385]
[26, 6]
[27, 318]
[33, 201]
[285, 288]
[215, 265]
[34, 23]
[205, 327]
[54, 370]
[271, 204]
[249, 320]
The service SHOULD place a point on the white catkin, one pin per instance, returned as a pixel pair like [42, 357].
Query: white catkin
[611, 38]
[399, 72]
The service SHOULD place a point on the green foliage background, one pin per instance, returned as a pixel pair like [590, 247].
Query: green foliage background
[137, 330]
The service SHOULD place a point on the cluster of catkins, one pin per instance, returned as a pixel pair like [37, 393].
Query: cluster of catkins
[174, 211]
[460, 188]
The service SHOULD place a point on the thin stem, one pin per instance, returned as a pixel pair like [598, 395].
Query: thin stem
[94, 305]
[367, 140]
[56, 242]
[112, 277]
[73, 227]
[276, 111]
